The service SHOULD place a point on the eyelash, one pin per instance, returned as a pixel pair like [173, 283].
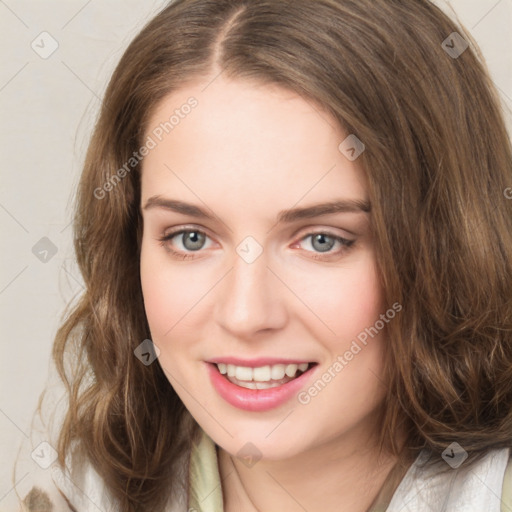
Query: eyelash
[344, 242]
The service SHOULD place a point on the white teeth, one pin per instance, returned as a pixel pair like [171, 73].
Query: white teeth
[249, 385]
[257, 385]
[266, 385]
[291, 370]
[243, 373]
[261, 374]
[277, 371]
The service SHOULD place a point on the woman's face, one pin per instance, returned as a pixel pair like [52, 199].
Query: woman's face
[257, 255]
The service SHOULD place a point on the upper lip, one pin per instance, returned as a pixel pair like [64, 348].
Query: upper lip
[255, 363]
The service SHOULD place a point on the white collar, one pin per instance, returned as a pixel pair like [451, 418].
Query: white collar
[474, 487]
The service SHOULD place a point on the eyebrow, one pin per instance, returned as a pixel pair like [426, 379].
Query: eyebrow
[177, 206]
[317, 210]
[284, 216]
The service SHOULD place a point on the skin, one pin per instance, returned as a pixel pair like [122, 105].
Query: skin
[244, 154]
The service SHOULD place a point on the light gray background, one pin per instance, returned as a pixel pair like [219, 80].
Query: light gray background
[48, 110]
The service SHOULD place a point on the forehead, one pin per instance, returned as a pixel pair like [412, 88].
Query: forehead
[243, 140]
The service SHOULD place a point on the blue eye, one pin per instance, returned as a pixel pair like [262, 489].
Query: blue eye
[193, 240]
[325, 243]
[186, 240]
[322, 242]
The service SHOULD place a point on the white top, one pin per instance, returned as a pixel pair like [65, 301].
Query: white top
[472, 488]
[475, 487]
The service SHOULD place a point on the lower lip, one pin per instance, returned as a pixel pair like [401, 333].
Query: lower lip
[256, 400]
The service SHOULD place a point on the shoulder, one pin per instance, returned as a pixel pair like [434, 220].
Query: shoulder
[506, 505]
[34, 487]
[40, 483]
[205, 487]
[58, 490]
[447, 485]
[79, 488]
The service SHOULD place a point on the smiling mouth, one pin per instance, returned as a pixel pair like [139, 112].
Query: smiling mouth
[263, 377]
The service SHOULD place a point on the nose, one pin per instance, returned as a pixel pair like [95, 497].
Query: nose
[250, 300]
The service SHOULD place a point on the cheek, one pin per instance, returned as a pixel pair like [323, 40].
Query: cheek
[160, 298]
[172, 296]
[346, 300]
[163, 307]
[360, 303]
[353, 368]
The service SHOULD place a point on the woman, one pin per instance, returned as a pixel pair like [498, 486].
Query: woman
[295, 237]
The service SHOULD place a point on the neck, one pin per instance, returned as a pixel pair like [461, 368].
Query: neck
[347, 470]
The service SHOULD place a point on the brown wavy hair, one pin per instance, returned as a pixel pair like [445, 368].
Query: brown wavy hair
[438, 160]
